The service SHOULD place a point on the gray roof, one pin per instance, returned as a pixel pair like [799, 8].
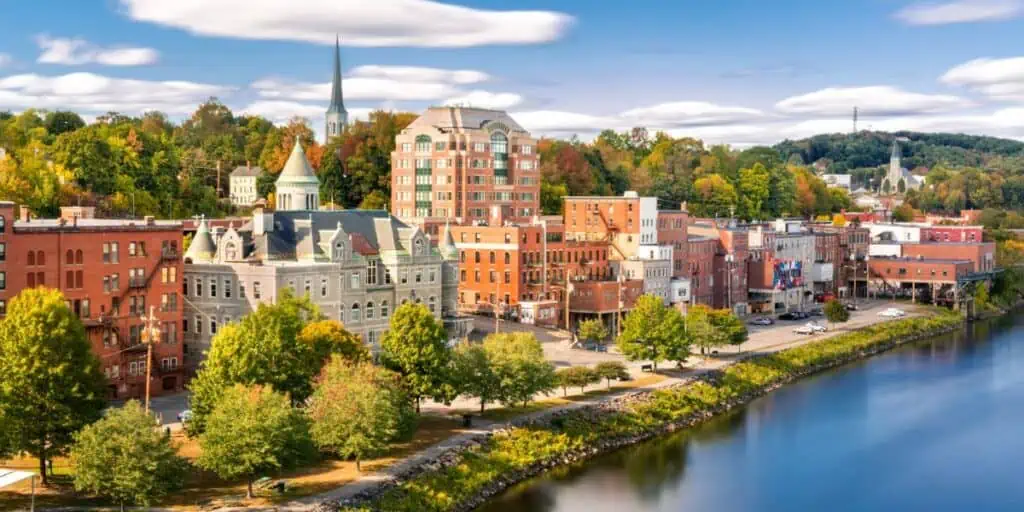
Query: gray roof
[304, 234]
[297, 169]
[337, 101]
[202, 247]
[460, 119]
[243, 170]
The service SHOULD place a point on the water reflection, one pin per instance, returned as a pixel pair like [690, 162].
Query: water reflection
[930, 426]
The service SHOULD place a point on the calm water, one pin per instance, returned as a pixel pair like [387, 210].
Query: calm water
[932, 427]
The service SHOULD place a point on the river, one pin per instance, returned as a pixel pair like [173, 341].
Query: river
[933, 426]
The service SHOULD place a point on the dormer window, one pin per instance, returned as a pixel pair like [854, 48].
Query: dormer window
[231, 251]
[418, 246]
[339, 250]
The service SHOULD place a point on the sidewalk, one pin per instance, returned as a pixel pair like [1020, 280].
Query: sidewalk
[764, 341]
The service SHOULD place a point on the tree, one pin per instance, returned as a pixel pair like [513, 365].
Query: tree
[903, 213]
[577, 376]
[610, 370]
[593, 330]
[127, 458]
[264, 347]
[327, 337]
[715, 197]
[702, 331]
[653, 332]
[62, 121]
[415, 347]
[734, 330]
[358, 409]
[475, 373]
[50, 381]
[375, 200]
[253, 430]
[836, 312]
[519, 364]
[753, 192]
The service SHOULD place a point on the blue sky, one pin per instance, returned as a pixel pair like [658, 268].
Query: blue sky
[734, 71]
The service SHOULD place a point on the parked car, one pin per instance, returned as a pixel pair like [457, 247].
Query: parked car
[789, 316]
[804, 329]
[762, 320]
[185, 415]
[800, 315]
[816, 327]
[851, 306]
[816, 312]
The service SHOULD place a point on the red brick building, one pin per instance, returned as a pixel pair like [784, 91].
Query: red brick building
[952, 233]
[981, 255]
[701, 261]
[112, 272]
[672, 230]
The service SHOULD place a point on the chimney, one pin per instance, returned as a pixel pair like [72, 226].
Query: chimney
[24, 214]
[150, 220]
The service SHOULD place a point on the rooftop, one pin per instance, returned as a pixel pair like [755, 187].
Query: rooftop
[920, 260]
[96, 225]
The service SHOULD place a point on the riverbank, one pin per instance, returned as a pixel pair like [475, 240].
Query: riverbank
[462, 480]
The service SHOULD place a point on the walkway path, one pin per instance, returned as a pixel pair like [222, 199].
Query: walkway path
[765, 340]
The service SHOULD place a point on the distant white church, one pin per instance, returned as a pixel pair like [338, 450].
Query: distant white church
[899, 180]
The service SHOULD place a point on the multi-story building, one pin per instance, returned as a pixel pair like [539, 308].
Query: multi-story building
[982, 255]
[824, 272]
[939, 279]
[242, 185]
[356, 265]
[626, 222]
[935, 233]
[701, 253]
[112, 273]
[455, 163]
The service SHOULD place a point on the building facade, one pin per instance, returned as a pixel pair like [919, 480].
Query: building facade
[242, 185]
[112, 273]
[455, 163]
[358, 266]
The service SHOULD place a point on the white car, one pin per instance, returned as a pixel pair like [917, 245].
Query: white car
[892, 313]
[816, 327]
[804, 329]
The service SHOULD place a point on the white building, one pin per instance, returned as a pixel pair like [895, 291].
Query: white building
[242, 185]
[902, 232]
[844, 181]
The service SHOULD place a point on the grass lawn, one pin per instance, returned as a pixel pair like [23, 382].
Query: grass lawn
[206, 490]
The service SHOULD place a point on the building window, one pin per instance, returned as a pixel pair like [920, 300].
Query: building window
[384, 310]
[227, 287]
[369, 310]
[371, 272]
[354, 281]
[213, 287]
[213, 325]
[256, 289]
[323, 286]
[307, 287]
[131, 249]
[199, 324]
[422, 143]
[355, 313]
[199, 287]
[3, 223]
[31, 258]
[114, 257]
[432, 303]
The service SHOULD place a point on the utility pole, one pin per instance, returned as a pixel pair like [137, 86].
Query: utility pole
[618, 310]
[150, 335]
[218, 179]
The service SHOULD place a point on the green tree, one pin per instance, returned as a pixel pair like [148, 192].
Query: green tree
[61, 121]
[578, 377]
[734, 330]
[702, 331]
[753, 192]
[375, 200]
[327, 337]
[836, 312]
[253, 430]
[611, 370]
[416, 347]
[593, 330]
[903, 213]
[357, 410]
[50, 381]
[127, 458]
[518, 362]
[262, 348]
[475, 373]
[653, 332]
[715, 197]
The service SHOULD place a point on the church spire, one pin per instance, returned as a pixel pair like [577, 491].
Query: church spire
[337, 116]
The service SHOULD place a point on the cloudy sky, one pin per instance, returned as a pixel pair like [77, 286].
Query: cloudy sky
[734, 71]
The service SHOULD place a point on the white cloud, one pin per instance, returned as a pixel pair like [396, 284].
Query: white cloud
[961, 11]
[90, 92]
[878, 100]
[689, 113]
[1001, 79]
[421, 74]
[74, 52]
[360, 23]
[5, 59]
[484, 99]
[556, 122]
[382, 89]
[280, 112]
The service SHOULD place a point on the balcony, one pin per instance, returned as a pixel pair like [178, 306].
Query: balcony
[169, 254]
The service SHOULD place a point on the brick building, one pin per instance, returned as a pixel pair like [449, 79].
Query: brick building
[701, 252]
[937, 279]
[981, 255]
[112, 272]
[626, 221]
[454, 163]
[952, 233]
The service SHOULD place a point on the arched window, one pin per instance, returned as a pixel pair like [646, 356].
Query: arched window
[419, 246]
[3, 223]
[339, 250]
[40, 258]
[231, 251]
[369, 310]
[432, 303]
[70, 257]
[499, 143]
[384, 310]
[356, 315]
[78, 257]
[31, 258]
[422, 143]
